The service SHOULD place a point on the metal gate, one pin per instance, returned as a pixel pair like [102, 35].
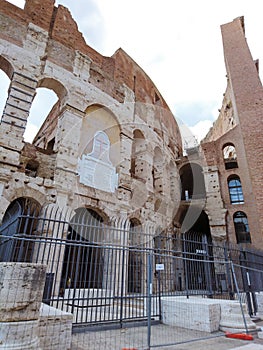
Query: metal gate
[99, 272]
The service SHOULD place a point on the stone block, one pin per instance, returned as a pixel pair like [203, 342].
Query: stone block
[55, 328]
[232, 320]
[206, 314]
[193, 313]
[21, 291]
[259, 297]
[19, 335]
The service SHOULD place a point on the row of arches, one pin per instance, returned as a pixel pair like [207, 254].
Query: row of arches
[153, 169]
[79, 244]
[141, 167]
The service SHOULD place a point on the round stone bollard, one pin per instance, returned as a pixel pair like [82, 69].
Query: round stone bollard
[21, 292]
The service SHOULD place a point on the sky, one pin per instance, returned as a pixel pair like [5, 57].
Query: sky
[177, 43]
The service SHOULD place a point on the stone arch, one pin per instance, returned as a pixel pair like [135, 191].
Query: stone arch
[192, 181]
[229, 156]
[137, 169]
[49, 97]
[24, 191]
[174, 183]
[6, 73]
[100, 118]
[6, 67]
[197, 246]
[54, 85]
[83, 262]
[20, 220]
[135, 258]
[157, 170]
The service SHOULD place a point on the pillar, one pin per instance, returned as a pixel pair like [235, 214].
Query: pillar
[21, 294]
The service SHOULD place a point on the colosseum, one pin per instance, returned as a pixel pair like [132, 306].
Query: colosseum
[107, 169]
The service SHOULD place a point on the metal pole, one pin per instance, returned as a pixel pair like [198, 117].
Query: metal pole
[239, 296]
[185, 257]
[228, 274]
[149, 295]
[123, 250]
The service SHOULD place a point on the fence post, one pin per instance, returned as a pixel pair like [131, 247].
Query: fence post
[239, 296]
[149, 299]
[122, 284]
[205, 247]
[228, 273]
[185, 257]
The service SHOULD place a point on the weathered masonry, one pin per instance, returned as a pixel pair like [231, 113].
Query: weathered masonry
[108, 158]
[233, 147]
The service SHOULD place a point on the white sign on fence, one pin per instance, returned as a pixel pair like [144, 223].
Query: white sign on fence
[159, 267]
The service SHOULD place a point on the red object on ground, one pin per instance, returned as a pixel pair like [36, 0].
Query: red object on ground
[242, 336]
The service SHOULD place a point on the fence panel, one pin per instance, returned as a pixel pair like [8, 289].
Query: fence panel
[109, 276]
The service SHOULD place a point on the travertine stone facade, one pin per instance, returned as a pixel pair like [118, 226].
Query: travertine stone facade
[41, 46]
[21, 290]
[110, 143]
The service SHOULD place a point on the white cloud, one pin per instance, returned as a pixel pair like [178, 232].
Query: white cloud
[201, 129]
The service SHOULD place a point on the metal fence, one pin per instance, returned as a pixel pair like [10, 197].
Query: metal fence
[110, 275]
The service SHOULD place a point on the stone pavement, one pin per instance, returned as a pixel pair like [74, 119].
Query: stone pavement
[161, 336]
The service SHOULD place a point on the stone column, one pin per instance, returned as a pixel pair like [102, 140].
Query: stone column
[21, 290]
[16, 111]
[116, 257]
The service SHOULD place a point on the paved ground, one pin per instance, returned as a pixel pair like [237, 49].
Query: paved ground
[161, 336]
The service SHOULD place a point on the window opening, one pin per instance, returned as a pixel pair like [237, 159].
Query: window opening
[40, 109]
[241, 227]
[4, 85]
[235, 190]
[137, 169]
[230, 157]
[32, 168]
[50, 145]
[135, 259]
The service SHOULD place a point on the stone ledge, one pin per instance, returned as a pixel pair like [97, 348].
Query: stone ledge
[55, 328]
[208, 315]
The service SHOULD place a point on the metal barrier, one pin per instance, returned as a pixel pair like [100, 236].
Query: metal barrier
[109, 276]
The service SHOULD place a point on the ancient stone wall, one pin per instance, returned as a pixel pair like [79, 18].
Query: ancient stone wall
[41, 46]
[240, 125]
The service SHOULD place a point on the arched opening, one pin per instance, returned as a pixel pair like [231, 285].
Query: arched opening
[42, 106]
[235, 190]
[198, 253]
[32, 168]
[135, 259]
[83, 256]
[99, 149]
[4, 85]
[230, 156]
[6, 72]
[241, 227]
[137, 169]
[18, 225]
[157, 171]
[172, 175]
[192, 182]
